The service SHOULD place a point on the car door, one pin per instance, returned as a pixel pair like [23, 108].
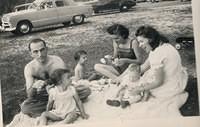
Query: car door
[46, 14]
[65, 10]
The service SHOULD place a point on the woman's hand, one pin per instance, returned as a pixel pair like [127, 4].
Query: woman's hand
[119, 62]
[136, 90]
[116, 81]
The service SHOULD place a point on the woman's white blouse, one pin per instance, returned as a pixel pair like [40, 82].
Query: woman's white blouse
[175, 76]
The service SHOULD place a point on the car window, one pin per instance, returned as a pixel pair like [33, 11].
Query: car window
[59, 3]
[46, 5]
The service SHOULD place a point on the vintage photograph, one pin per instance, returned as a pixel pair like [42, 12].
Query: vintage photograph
[87, 61]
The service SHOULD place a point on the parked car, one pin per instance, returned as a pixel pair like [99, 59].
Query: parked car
[45, 12]
[122, 5]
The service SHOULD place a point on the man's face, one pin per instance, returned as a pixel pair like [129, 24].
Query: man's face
[39, 52]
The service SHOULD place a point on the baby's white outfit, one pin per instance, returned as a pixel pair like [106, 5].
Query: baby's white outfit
[64, 102]
[128, 96]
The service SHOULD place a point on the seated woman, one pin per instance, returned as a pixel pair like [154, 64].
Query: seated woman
[125, 52]
[168, 77]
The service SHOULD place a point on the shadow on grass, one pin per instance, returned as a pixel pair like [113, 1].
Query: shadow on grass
[191, 107]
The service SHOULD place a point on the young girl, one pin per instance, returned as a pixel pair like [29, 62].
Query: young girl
[124, 97]
[63, 100]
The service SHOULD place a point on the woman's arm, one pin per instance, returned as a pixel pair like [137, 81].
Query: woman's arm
[115, 49]
[158, 78]
[145, 66]
[80, 106]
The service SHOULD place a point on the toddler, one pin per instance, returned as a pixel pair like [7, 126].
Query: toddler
[124, 97]
[63, 100]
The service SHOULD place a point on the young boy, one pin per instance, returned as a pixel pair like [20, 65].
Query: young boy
[124, 97]
[81, 58]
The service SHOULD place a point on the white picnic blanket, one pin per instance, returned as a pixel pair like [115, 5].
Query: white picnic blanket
[99, 111]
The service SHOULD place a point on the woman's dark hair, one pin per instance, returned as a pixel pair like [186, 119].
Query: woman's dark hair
[56, 76]
[118, 29]
[152, 34]
[78, 54]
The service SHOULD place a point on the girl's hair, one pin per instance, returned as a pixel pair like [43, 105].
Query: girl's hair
[118, 29]
[56, 76]
[149, 32]
[78, 54]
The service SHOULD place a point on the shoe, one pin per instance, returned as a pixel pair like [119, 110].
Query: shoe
[114, 103]
[124, 104]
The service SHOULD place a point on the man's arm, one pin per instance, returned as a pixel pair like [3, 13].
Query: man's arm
[29, 81]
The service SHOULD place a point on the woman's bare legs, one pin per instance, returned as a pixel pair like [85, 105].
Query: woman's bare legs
[107, 70]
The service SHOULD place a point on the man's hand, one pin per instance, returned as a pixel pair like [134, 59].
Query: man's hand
[39, 84]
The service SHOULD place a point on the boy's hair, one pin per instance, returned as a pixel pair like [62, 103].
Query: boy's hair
[78, 54]
[56, 76]
[134, 67]
[36, 40]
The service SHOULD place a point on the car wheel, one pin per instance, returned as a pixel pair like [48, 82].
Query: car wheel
[24, 27]
[123, 8]
[67, 23]
[78, 19]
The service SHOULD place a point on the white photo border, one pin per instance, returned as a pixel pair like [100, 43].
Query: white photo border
[193, 121]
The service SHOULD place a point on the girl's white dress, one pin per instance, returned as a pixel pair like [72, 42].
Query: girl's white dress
[64, 102]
